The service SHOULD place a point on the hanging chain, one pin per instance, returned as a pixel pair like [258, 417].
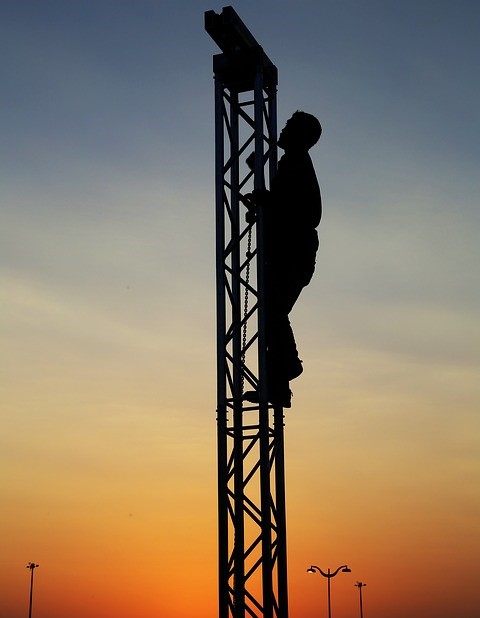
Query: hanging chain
[245, 303]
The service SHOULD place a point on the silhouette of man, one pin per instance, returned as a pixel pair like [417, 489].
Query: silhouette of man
[292, 212]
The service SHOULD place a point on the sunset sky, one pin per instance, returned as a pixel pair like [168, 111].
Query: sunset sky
[108, 432]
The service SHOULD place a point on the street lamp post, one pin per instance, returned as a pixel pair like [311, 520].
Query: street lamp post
[360, 585]
[32, 566]
[344, 568]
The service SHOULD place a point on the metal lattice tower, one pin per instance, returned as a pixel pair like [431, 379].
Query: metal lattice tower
[251, 477]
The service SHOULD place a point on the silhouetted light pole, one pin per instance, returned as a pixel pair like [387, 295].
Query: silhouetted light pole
[360, 586]
[32, 566]
[344, 568]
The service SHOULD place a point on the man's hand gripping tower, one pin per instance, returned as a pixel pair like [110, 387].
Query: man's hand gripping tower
[251, 478]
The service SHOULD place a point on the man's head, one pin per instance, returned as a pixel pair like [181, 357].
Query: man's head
[301, 132]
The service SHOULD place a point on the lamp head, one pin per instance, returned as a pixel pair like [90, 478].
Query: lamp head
[346, 570]
[311, 570]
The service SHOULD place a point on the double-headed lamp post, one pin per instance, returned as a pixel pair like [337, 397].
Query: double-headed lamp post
[32, 566]
[313, 569]
[360, 585]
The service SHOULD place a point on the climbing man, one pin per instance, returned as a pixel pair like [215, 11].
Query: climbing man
[292, 212]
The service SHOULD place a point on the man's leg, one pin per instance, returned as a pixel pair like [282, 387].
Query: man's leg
[281, 345]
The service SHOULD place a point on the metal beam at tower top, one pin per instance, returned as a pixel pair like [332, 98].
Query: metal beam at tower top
[242, 56]
[251, 482]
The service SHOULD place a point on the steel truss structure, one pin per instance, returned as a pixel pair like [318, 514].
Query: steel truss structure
[251, 477]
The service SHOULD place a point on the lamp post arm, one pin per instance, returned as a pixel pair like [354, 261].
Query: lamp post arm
[320, 571]
[344, 566]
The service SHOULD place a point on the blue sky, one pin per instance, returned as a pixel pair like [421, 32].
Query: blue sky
[107, 254]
